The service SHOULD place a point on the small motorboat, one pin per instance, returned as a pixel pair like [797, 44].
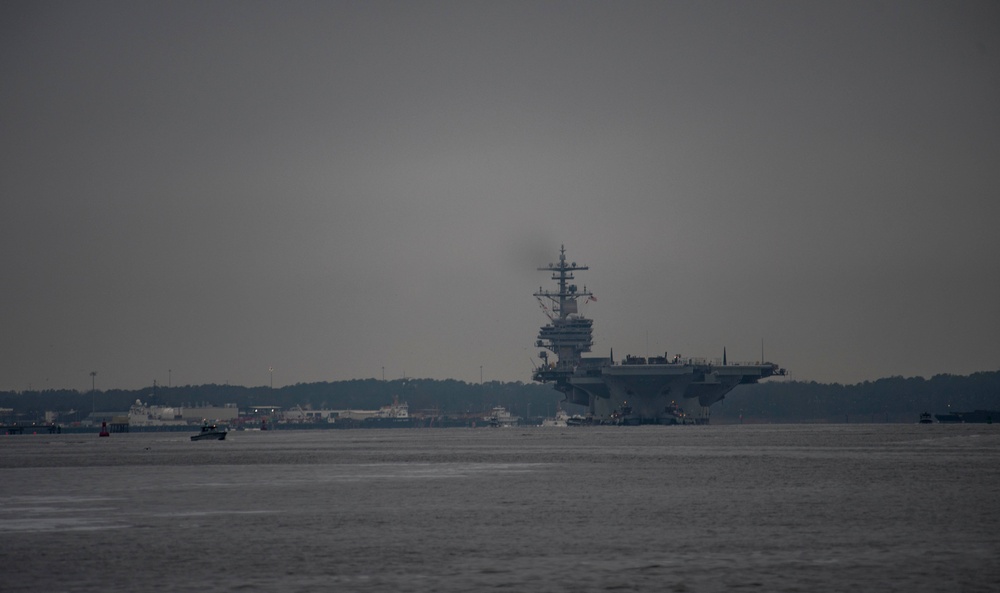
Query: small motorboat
[210, 432]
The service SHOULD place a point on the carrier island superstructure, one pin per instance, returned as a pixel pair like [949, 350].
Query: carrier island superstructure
[635, 390]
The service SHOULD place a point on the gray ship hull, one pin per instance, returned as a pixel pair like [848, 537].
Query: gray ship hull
[672, 393]
[637, 390]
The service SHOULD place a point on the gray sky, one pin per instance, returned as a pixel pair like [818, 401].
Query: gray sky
[198, 191]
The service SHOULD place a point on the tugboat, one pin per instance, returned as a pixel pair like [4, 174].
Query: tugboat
[500, 417]
[560, 420]
[209, 432]
[925, 418]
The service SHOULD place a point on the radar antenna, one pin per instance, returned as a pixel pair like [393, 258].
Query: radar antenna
[568, 334]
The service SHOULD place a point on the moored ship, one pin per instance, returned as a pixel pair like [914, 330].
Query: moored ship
[974, 417]
[499, 416]
[635, 390]
[395, 415]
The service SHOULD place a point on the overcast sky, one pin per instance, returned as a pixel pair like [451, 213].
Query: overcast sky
[196, 192]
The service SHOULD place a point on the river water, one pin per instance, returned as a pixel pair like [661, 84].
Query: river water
[682, 508]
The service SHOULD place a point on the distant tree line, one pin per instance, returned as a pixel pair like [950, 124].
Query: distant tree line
[894, 399]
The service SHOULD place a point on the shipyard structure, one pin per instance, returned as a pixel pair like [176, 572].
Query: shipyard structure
[634, 390]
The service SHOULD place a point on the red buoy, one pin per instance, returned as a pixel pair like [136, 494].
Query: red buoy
[104, 430]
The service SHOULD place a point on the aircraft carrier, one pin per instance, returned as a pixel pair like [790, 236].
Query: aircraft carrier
[635, 390]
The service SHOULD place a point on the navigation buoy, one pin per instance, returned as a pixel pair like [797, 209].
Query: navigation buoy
[104, 430]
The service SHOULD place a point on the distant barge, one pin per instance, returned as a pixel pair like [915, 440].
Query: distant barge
[974, 417]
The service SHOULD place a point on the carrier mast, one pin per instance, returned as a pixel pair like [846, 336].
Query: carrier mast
[569, 334]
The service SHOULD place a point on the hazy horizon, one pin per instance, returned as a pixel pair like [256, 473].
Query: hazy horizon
[199, 192]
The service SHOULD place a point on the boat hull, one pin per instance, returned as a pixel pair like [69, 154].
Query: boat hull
[974, 417]
[209, 436]
[672, 393]
[387, 423]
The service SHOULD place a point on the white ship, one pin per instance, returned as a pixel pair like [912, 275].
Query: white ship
[395, 415]
[141, 414]
[561, 419]
[499, 416]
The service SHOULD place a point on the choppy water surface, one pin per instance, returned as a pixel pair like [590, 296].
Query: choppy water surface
[715, 508]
